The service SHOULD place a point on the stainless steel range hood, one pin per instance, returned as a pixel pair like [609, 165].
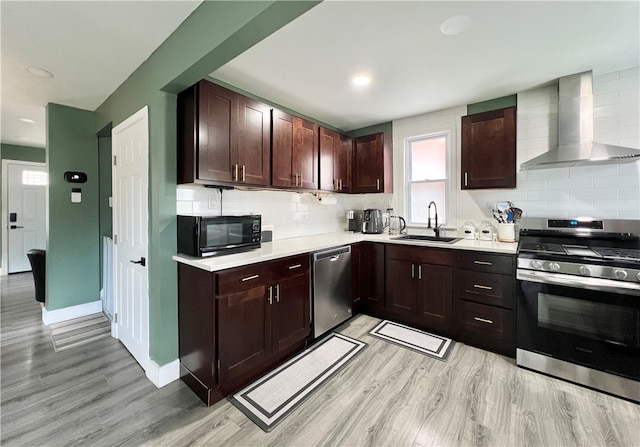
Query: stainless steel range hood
[575, 131]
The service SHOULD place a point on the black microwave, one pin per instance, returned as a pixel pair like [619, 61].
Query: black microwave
[218, 235]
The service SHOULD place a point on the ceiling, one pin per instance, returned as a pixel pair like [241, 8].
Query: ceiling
[91, 47]
[506, 47]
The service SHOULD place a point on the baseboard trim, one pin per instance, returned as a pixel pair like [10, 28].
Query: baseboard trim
[163, 375]
[69, 313]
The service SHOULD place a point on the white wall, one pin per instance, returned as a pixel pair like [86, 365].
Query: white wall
[291, 214]
[608, 191]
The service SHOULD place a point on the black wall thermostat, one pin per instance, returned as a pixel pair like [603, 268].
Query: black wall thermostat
[75, 177]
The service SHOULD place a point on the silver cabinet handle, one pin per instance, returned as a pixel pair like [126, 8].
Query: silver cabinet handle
[483, 262]
[296, 266]
[483, 320]
[244, 173]
[249, 278]
[478, 286]
[235, 173]
[413, 274]
[420, 272]
[465, 179]
[378, 184]
[270, 295]
[278, 293]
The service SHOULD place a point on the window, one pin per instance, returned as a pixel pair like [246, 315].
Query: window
[427, 177]
[34, 178]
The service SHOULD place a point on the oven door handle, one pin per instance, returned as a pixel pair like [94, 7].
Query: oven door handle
[579, 282]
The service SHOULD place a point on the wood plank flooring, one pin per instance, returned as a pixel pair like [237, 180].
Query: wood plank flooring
[97, 395]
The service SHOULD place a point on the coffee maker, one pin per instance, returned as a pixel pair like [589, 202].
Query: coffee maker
[354, 221]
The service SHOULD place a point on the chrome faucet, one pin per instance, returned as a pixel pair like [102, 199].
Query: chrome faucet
[436, 228]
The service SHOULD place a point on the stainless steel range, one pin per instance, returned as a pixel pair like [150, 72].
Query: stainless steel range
[578, 302]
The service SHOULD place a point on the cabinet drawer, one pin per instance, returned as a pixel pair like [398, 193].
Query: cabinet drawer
[287, 267]
[485, 288]
[486, 326]
[485, 262]
[421, 255]
[241, 278]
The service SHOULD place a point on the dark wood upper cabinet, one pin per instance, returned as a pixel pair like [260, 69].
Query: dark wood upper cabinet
[489, 149]
[372, 164]
[223, 137]
[294, 152]
[335, 161]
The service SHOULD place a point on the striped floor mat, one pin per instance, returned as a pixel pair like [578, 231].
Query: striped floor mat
[79, 331]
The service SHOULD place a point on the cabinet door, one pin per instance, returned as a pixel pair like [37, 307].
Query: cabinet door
[401, 286]
[217, 109]
[244, 332]
[372, 275]
[342, 167]
[335, 161]
[294, 152]
[435, 297]
[253, 140]
[305, 153]
[282, 167]
[489, 149]
[290, 314]
[329, 147]
[368, 160]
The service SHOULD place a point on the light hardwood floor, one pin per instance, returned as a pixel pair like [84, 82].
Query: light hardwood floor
[97, 395]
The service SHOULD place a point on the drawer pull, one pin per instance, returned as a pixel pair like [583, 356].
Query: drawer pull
[270, 295]
[483, 320]
[478, 286]
[249, 278]
[291, 267]
[483, 262]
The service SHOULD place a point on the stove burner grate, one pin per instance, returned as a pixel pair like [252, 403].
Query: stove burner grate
[629, 254]
[542, 248]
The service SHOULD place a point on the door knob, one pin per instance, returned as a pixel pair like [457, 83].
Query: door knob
[142, 262]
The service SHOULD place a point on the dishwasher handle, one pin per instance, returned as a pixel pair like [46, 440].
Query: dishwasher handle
[333, 254]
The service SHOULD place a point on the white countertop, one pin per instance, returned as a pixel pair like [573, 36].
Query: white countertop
[288, 247]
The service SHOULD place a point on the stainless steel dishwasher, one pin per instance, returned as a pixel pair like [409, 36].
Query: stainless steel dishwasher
[331, 289]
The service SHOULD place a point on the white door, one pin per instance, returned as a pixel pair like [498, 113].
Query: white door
[130, 148]
[26, 213]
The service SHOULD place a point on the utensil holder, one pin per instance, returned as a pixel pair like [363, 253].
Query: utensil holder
[506, 232]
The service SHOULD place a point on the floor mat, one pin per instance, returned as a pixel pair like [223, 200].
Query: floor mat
[79, 331]
[268, 400]
[429, 344]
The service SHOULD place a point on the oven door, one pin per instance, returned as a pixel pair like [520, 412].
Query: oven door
[585, 321]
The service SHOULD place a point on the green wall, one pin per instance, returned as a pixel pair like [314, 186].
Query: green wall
[492, 104]
[73, 269]
[21, 153]
[215, 33]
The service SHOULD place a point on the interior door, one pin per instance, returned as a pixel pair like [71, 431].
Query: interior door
[26, 216]
[130, 229]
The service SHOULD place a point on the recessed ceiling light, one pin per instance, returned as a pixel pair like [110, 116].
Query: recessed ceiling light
[40, 72]
[27, 120]
[361, 80]
[455, 25]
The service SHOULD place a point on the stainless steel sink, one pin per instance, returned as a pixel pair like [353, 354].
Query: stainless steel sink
[422, 238]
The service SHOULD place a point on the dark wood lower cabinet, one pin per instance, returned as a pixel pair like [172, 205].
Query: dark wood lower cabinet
[419, 287]
[485, 301]
[237, 324]
[244, 332]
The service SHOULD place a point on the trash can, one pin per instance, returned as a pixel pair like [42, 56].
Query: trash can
[37, 259]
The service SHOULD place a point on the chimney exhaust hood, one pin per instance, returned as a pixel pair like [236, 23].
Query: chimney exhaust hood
[575, 131]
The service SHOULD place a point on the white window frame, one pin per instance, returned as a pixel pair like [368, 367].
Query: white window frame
[442, 219]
